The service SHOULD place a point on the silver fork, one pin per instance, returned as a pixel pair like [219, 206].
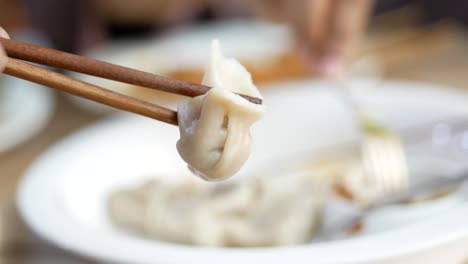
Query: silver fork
[422, 191]
[383, 159]
[384, 165]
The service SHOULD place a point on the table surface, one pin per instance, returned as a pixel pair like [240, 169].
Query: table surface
[19, 245]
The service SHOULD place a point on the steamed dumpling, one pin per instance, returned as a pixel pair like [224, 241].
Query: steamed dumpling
[272, 210]
[214, 128]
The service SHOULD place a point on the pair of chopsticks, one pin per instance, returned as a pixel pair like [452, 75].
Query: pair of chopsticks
[18, 51]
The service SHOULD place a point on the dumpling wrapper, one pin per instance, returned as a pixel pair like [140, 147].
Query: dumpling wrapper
[215, 140]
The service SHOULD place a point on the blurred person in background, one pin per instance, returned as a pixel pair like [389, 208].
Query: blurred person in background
[327, 30]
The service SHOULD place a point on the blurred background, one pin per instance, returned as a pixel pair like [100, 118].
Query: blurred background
[422, 40]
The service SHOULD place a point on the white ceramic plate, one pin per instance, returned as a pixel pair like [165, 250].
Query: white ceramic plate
[63, 195]
[25, 108]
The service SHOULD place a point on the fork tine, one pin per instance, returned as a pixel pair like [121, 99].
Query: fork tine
[403, 172]
[389, 168]
[373, 167]
[386, 170]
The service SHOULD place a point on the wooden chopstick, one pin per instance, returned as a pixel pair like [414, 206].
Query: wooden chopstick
[67, 84]
[71, 62]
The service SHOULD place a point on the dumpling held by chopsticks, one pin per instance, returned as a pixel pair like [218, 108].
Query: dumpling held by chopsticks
[214, 128]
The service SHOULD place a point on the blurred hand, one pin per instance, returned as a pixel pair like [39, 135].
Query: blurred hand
[327, 30]
[3, 56]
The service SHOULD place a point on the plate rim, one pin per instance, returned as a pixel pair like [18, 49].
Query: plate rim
[33, 120]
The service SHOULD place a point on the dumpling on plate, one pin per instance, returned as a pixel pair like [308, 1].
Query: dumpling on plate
[214, 128]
